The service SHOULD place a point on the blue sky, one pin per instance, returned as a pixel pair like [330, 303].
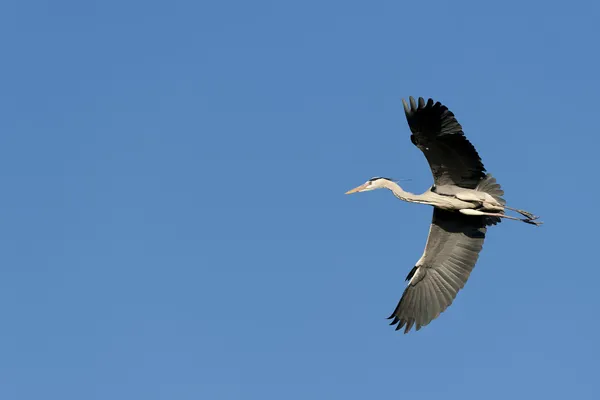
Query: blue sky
[172, 217]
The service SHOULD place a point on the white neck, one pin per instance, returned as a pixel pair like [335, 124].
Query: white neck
[402, 194]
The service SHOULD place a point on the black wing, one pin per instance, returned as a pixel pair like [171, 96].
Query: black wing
[452, 249]
[452, 158]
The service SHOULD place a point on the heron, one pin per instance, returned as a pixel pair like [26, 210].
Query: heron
[465, 199]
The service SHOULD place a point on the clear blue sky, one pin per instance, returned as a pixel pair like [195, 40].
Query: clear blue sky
[172, 217]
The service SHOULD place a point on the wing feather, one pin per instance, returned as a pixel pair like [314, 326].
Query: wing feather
[451, 252]
[436, 132]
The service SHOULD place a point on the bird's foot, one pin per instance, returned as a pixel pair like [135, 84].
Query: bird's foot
[532, 221]
[527, 214]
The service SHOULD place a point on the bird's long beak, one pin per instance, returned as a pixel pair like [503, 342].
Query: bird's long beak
[356, 189]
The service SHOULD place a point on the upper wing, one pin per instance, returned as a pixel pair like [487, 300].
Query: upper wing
[452, 158]
[452, 249]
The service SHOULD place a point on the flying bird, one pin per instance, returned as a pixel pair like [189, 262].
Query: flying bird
[465, 199]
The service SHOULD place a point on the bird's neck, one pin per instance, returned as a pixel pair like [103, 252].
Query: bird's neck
[402, 194]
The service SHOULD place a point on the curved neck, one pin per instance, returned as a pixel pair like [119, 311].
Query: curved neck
[402, 194]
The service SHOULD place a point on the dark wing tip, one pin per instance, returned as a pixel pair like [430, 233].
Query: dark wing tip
[436, 131]
[408, 323]
[406, 108]
[412, 106]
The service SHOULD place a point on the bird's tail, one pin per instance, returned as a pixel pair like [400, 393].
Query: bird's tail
[490, 186]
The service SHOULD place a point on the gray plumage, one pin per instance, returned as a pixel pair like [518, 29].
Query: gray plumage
[466, 201]
[436, 132]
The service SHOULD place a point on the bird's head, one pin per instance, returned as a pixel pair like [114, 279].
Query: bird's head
[371, 184]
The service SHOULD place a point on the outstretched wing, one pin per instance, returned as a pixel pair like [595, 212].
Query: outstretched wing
[452, 158]
[452, 249]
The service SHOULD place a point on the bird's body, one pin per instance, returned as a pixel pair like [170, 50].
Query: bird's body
[466, 201]
[451, 200]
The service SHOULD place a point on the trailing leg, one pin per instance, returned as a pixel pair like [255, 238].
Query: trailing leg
[499, 215]
[524, 213]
